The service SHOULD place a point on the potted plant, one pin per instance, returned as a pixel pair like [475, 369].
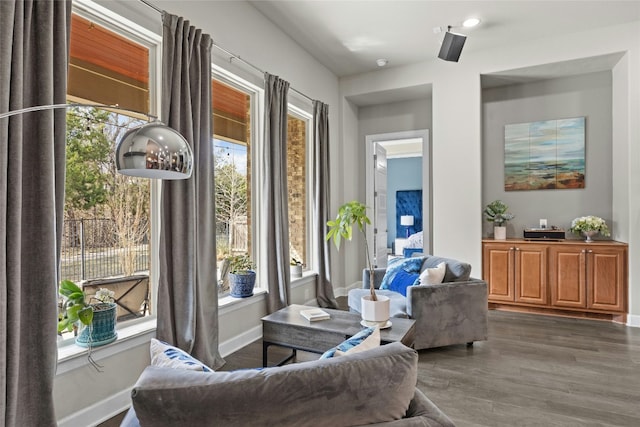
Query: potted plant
[98, 318]
[589, 226]
[296, 267]
[375, 309]
[242, 277]
[496, 212]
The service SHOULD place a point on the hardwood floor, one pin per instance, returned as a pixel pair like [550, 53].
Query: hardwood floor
[533, 371]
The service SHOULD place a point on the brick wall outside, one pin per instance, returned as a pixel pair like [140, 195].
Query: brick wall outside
[296, 183]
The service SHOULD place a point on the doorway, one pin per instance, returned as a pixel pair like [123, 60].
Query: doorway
[380, 150]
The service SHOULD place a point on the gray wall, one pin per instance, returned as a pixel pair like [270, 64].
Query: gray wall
[393, 117]
[588, 95]
[402, 174]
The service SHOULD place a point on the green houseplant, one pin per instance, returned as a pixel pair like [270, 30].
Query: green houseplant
[242, 277]
[98, 318]
[375, 309]
[296, 267]
[340, 228]
[497, 213]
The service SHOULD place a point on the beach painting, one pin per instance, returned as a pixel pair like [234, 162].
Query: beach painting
[544, 155]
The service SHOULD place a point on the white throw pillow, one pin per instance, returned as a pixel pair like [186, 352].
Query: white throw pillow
[163, 354]
[433, 276]
[372, 341]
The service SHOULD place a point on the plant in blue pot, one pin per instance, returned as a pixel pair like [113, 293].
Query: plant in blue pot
[242, 277]
[96, 319]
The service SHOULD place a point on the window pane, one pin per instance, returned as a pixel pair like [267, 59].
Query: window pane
[107, 215]
[297, 185]
[232, 160]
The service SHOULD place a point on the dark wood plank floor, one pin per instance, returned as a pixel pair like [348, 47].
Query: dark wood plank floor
[533, 371]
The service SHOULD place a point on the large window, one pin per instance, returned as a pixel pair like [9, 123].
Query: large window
[298, 130]
[107, 216]
[232, 110]
[234, 128]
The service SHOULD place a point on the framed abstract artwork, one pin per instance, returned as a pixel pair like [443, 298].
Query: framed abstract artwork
[544, 155]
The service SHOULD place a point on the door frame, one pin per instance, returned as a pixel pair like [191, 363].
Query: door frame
[370, 140]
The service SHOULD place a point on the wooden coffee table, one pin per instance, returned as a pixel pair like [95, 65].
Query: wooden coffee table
[287, 328]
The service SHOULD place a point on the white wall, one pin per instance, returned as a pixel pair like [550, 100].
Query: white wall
[456, 137]
[241, 29]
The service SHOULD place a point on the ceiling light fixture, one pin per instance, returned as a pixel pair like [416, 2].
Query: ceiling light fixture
[382, 62]
[471, 22]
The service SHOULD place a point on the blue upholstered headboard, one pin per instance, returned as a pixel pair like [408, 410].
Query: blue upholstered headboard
[409, 202]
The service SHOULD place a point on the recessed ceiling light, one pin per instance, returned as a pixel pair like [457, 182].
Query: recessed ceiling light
[471, 22]
[382, 62]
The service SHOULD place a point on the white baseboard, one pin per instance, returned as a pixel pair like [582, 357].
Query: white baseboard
[343, 292]
[236, 343]
[99, 412]
[633, 320]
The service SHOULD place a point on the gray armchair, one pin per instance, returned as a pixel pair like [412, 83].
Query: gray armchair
[452, 312]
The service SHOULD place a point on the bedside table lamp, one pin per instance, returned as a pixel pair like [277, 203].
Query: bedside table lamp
[406, 221]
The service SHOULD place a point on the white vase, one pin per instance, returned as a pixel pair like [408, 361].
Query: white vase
[500, 233]
[375, 312]
[589, 234]
[296, 271]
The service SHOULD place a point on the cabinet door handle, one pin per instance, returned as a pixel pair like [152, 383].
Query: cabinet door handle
[590, 251]
[584, 251]
[517, 249]
[511, 248]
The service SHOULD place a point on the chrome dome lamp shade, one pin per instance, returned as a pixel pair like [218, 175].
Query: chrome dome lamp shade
[154, 150]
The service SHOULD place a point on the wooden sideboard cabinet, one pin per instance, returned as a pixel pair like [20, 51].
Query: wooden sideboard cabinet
[568, 277]
[516, 272]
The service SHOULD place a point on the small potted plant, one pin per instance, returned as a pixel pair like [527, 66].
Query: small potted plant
[99, 317]
[589, 226]
[496, 212]
[296, 267]
[242, 277]
[375, 309]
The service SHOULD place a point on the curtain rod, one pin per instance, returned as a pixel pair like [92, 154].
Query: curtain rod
[233, 55]
[237, 57]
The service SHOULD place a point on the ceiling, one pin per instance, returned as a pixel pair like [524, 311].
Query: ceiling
[349, 36]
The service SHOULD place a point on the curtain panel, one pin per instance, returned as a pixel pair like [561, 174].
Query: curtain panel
[34, 45]
[275, 209]
[320, 165]
[188, 291]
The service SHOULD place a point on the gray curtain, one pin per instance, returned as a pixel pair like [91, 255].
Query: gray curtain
[33, 71]
[275, 210]
[188, 292]
[320, 165]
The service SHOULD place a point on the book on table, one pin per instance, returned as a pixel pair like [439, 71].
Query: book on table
[314, 314]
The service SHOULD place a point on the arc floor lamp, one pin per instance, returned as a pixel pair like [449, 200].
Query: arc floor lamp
[152, 150]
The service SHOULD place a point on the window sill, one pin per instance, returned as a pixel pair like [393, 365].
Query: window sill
[72, 356]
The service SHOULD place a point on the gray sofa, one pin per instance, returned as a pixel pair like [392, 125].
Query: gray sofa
[376, 386]
[452, 312]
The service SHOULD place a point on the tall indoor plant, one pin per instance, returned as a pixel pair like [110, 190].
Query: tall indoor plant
[340, 228]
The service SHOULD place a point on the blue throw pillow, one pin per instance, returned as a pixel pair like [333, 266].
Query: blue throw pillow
[163, 354]
[349, 343]
[409, 265]
[402, 281]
